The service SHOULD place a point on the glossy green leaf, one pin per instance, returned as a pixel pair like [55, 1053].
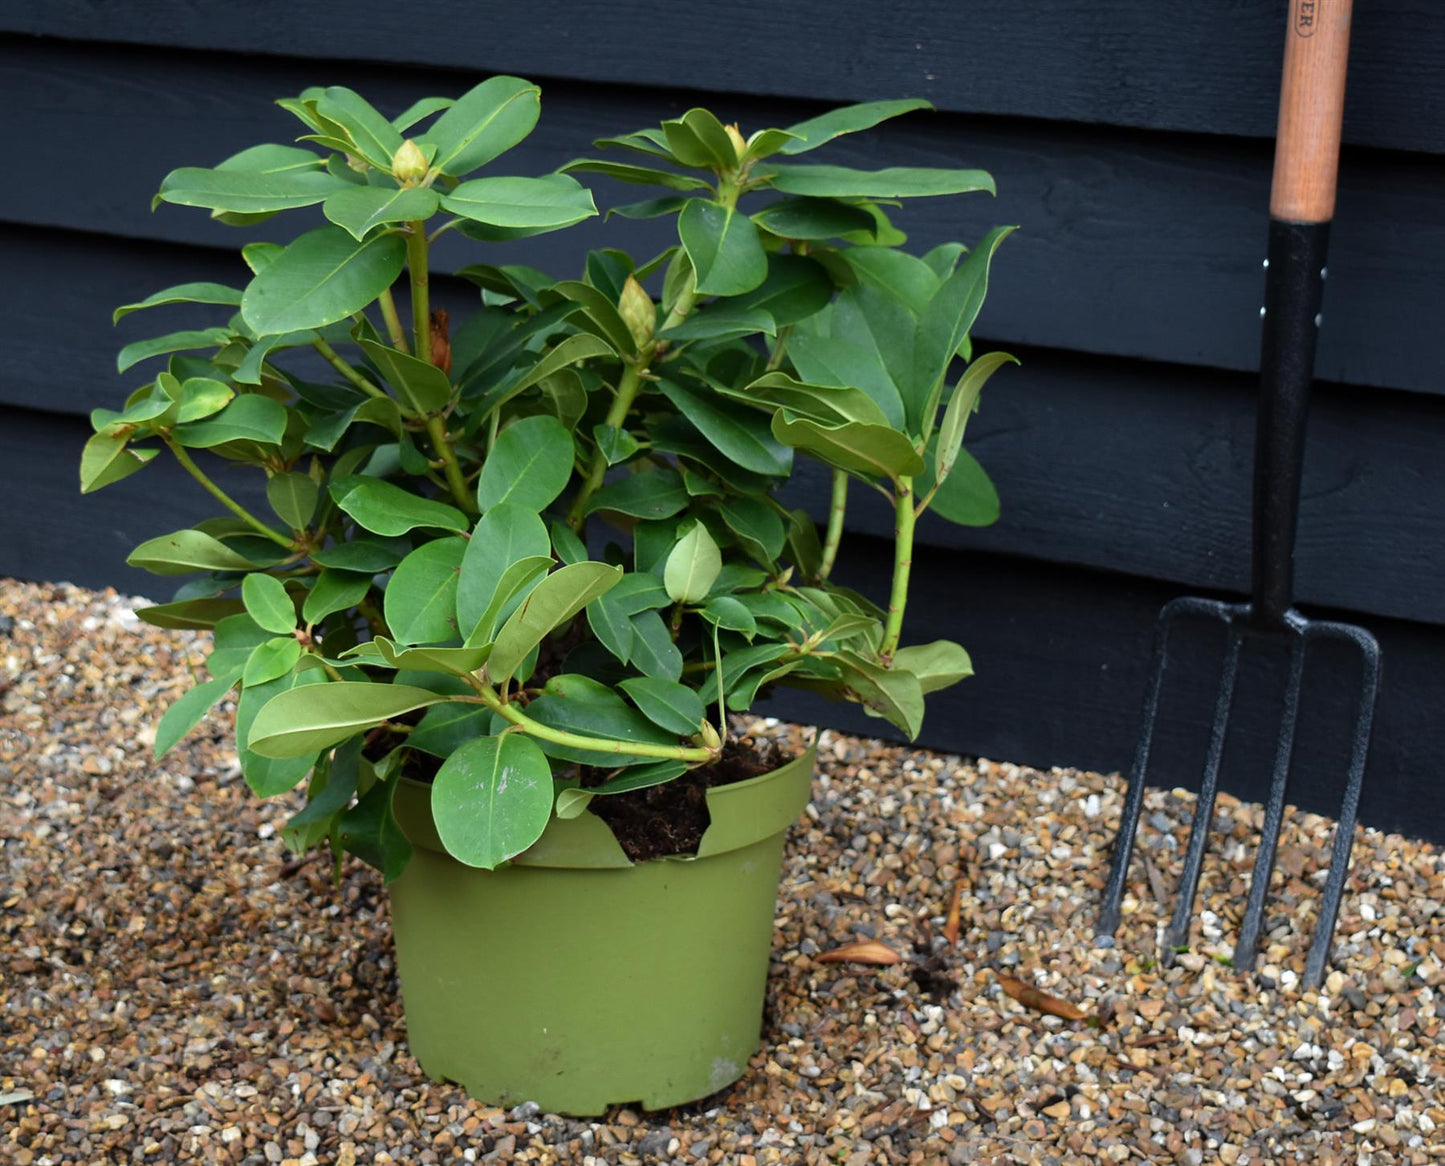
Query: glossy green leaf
[359, 209]
[961, 407]
[236, 637]
[276, 657]
[640, 175]
[506, 534]
[565, 543]
[322, 277]
[491, 799]
[599, 314]
[874, 451]
[903, 276]
[250, 417]
[838, 360]
[301, 721]
[722, 322]
[452, 662]
[816, 131]
[182, 293]
[189, 613]
[650, 208]
[894, 182]
[187, 711]
[891, 693]
[579, 704]
[611, 623]
[967, 496]
[423, 386]
[269, 776]
[445, 728]
[529, 464]
[268, 603]
[386, 509]
[105, 459]
[697, 138]
[759, 527]
[334, 591]
[420, 601]
[730, 614]
[420, 110]
[724, 247]
[484, 122]
[514, 586]
[186, 551]
[370, 831]
[653, 651]
[573, 350]
[332, 787]
[812, 218]
[372, 135]
[654, 493]
[937, 665]
[667, 704]
[370, 555]
[293, 497]
[185, 341]
[796, 287]
[692, 566]
[554, 601]
[743, 437]
[548, 203]
[826, 403]
[615, 444]
[248, 191]
[202, 397]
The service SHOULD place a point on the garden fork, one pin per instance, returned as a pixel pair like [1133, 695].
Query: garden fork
[1301, 207]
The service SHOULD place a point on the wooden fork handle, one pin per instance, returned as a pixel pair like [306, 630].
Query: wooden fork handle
[1311, 107]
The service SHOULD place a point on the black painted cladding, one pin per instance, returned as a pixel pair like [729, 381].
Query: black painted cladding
[1129, 138]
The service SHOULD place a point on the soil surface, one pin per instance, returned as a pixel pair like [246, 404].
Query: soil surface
[176, 987]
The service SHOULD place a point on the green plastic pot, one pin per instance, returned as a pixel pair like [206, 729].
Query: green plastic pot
[577, 979]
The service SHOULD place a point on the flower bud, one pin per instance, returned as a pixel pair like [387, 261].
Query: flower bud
[735, 136]
[709, 737]
[408, 164]
[637, 311]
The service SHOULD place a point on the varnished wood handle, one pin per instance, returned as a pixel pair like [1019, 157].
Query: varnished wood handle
[1311, 107]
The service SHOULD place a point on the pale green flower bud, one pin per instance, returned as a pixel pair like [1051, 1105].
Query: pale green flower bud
[408, 164]
[637, 311]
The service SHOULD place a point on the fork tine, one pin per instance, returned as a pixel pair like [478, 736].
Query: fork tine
[1247, 946]
[1178, 929]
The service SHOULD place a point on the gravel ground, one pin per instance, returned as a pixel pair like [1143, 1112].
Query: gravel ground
[173, 987]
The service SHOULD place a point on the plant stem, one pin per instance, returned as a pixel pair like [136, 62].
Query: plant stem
[436, 427]
[393, 322]
[836, 510]
[416, 263]
[225, 499]
[902, 564]
[593, 744]
[627, 389]
[780, 348]
[346, 370]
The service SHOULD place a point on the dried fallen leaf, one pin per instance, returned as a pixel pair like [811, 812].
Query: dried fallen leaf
[868, 951]
[1039, 1000]
[951, 924]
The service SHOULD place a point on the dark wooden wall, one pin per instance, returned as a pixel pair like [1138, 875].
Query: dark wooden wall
[1130, 139]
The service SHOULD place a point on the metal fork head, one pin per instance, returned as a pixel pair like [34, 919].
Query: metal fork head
[1241, 621]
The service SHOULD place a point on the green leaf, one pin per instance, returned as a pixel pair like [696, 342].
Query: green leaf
[186, 712]
[873, 451]
[529, 464]
[825, 403]
[360, 208]
[836, 360]
[276, 657]
[132, 354]
[371, 555]
[452, 662]
[420, 110]
[611, 623]
[650, 208]
[322, 277]
[640, 175]
[565, 543]
[384, 508]
[796, 287]
[186, 551]
[653, 493]
[491, 799]
[653, 651]
[724, 247]
[445, 728]
[268, 776]
[814, 132]
[615, 444]
[599, 314]
[505, 535]
[812, 218]
[330, 792]
[182, 293]
[105, 459]
[484, 122]
[420, 601]
[268, 604]
[967, 496]
[937, 665]
[960, 408]
[579, 704]
[514, 586]
[803, 546]
[729, 613]
[248, 191]
[535, 204]
[292, 496]
[665, 703]
[697, 138]
[554, 601]
[197, 614]
[894, 182]
[250, 417]
[370, 831]
[692, 566]
[375, 138]
[895, 695]
[202, 397]
[903, 276]
[235, 638]
[758, 526]
[742, 437]
[334, 591]
[724, 321]
[301, 721]
[571, 351]
[950, 314]
[423, 386]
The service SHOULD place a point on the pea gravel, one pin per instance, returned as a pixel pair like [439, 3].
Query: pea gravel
[175, 987]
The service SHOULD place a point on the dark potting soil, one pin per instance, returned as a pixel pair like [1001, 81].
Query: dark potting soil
[671, 818]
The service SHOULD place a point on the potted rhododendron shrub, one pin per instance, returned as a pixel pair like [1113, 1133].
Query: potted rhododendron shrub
[516, 571]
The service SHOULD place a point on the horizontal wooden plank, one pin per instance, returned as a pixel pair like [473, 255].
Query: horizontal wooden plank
[1121, 465]
[1212, 68]
[1061, 655]
[1133, 246]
